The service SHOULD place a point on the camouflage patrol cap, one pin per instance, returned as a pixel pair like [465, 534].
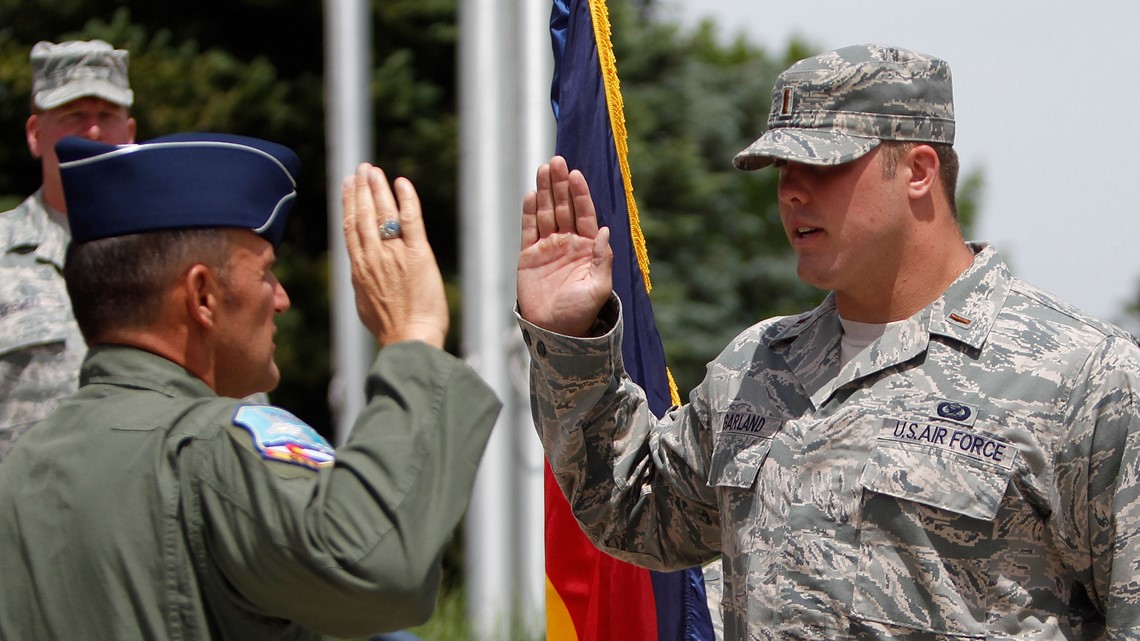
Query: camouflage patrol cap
[835, 107]
[77, 69]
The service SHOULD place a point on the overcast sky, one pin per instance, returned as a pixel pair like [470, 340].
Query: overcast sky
[1047, 101]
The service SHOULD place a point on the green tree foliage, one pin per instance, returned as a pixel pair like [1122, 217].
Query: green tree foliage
[255, 67]
[693, 98]
[720, 261]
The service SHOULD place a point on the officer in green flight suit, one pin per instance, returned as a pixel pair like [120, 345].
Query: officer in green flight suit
[154, 504]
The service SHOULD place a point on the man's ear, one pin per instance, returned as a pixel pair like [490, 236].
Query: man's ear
[923, 163]
[32, 132]
[203, 293]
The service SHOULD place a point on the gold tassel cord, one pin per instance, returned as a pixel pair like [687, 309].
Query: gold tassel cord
[600, 16]
[601, 20]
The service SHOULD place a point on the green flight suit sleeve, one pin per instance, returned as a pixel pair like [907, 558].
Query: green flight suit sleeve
[354, 548]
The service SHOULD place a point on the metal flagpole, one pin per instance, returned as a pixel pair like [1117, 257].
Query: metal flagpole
[348, 45]
[506, 130]
[535, 146]
[484, 71]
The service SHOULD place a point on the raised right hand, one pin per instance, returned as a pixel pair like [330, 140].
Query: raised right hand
[399, 289]
[565, 270]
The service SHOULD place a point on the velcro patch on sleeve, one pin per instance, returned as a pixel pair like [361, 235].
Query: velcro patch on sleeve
[280, 436]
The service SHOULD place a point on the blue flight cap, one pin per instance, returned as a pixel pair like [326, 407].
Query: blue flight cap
[180, 181]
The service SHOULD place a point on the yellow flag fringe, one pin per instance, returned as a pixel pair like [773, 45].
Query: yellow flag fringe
[601, 18]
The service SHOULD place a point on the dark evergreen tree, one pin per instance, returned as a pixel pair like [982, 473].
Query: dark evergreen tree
[693, 98]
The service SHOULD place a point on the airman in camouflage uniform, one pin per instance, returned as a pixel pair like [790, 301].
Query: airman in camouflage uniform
[973, 471]
[78, 88]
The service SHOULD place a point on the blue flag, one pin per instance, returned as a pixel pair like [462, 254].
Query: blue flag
[591, 137]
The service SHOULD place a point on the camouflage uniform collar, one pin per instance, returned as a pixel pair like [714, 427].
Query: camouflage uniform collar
[30, 225]
[134, 368]
[965, 311]
[791, 327]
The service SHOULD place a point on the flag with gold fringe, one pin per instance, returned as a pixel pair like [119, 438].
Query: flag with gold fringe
[592, 596]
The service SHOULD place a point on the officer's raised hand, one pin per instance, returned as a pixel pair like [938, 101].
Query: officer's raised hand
[399, 289]
[565, 265]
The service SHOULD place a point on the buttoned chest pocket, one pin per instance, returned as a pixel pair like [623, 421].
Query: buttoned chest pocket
[40, 347]
[926, 538]
[736, 459]
[34, 309]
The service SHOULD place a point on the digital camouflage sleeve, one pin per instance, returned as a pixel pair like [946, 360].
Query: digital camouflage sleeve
[973, 474]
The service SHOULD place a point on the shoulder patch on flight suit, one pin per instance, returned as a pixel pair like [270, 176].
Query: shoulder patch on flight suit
[280, 436]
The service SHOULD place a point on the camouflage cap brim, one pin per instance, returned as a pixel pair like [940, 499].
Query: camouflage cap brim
[808, 146]
[84, 88]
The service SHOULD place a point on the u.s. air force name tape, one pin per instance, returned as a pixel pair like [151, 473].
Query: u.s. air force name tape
[962, 442]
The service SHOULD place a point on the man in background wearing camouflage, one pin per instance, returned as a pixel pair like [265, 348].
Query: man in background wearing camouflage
[939, 450]
[79, 88]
